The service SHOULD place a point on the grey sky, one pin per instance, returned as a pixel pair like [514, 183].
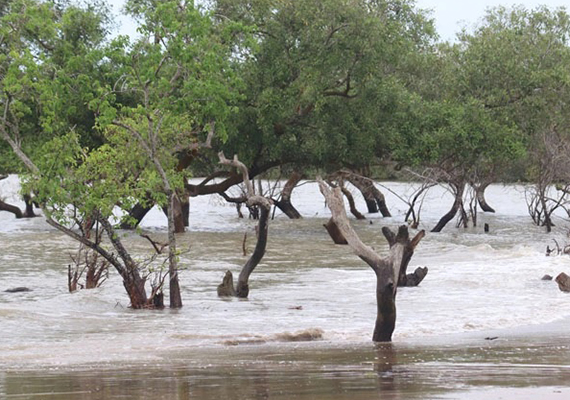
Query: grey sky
[451, 15]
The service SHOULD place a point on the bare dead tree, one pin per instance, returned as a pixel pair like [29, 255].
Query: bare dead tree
[552, 169]
[387, 269]
[226, 288]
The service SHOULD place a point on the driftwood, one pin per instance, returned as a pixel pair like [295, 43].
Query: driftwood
[563, 281]
[387, 269]
[264, 205]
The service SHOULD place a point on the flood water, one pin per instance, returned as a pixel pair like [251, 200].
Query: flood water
[480, 286]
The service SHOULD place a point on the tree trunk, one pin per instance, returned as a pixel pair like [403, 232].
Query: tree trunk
[375, 200]
[387, 269]
[135, 286]
[457, 204]
[288, 209]
[334, 232]
[354, 211]
[547, 213]
[11, 209]
[133, 282]
[386, 310]
[178, 216]
[480, 194]
[413, 279]
[263, 205]
[242, 289]
[284, 203]
[185, 203]
[174, 284]
[29, 212]
[136, 215]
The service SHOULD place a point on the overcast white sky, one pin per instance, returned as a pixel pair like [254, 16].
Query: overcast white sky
[450, 15]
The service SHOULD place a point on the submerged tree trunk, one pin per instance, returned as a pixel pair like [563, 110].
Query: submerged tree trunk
[387, 269]
[177, 219]
[17, 211]
[263, 204]
[458, 190]
[174, 285]
[375, 200]
[136, 215]
[133, 282]
[11, 209]
[480, 194]
[335, 233]
[284, 203]
[242, 288]
[29, 212]
[353, 210]
[185, 205]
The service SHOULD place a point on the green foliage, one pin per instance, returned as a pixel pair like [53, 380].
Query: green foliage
[324, 79]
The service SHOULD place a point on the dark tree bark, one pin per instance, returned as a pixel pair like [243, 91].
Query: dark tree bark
[415, 278]
[242, 288]
[353, 210]
[284, 203]
[17, 211]
[185, 204]
[375, 200]
[387, 269]
[11, 209]
[458, 190]
[335, 233]
[136, 215]
[180, 223]
[263, 204]
[29, 211]
[234, 178]
[133, 282]
[480, 194]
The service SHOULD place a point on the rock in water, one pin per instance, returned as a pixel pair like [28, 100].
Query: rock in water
[563, 281]
[547, 278]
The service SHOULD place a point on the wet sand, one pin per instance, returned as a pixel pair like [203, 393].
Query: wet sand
[527, 363]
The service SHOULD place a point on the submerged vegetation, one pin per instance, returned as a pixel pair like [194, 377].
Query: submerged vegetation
[103, 128]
